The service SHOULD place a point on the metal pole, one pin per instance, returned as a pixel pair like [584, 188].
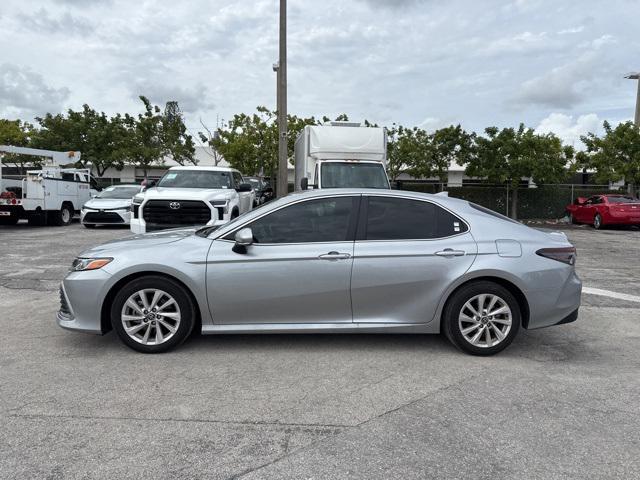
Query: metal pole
[282, 186]
[637, 118]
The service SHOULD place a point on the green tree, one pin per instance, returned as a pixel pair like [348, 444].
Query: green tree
[510, 155]
[407, 151]
[250, 142]
[178, 143]
[16, 133]
[614, 156]
[98, 137]
[448, 145]
[144, 145]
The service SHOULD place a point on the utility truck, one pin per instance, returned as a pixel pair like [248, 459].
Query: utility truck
[51, 195]
[341, 155]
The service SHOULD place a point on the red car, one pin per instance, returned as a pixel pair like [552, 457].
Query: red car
[602, 210]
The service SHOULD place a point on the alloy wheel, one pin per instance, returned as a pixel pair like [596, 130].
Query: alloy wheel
[485, 320]
[150, 316]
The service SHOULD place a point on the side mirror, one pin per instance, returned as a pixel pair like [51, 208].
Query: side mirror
[304, 183]
[581, 201]
[243, 239]
[244, 187]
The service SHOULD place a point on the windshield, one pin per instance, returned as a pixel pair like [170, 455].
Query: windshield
[255, 183]
[119, 192]
[353, 175]
[623, 200]
[195, 179]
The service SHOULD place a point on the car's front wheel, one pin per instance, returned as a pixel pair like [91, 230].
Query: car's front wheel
[481, 318]
[597, 222]
[153, 314]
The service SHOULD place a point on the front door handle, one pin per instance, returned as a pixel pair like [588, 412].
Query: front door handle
[449, 252]
[334, 256]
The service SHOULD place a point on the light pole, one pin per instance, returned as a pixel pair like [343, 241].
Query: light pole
[636, 76]
[282, 187]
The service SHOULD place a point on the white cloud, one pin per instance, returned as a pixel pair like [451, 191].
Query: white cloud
[24, 92]
[568, 129]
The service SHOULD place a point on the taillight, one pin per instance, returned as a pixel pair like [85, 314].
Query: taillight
[566, 255]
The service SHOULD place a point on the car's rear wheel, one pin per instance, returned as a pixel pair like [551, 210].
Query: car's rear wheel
[597, 222]
[482, 318]
[153, 314]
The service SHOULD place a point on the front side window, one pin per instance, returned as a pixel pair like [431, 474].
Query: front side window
[405, 219]
[321, 220]
[237, 178]
[195, 179]
[353, 175]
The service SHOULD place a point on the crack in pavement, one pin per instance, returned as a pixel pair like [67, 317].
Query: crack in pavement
[364, 422]
[317, 426]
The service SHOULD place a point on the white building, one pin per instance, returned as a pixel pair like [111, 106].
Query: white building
[205, 156]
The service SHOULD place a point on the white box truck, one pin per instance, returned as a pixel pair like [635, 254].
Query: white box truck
[341, 155]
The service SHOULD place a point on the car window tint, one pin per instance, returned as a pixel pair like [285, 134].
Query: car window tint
[237, 178]
[398, 218]
[322, 220]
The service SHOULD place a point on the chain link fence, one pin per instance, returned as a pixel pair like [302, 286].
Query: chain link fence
[539, 202]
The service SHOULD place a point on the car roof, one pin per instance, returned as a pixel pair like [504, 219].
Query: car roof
[120, 185]
[209, 169]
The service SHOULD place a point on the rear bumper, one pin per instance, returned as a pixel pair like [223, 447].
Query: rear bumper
[555, 306]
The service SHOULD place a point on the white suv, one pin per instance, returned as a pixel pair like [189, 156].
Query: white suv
[188, 196]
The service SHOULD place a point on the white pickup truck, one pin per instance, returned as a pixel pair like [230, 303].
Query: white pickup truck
[191, 196]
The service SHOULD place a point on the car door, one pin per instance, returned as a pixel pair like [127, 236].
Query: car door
[298, 270]
[407, 253]
[587, 211]
[245, 197]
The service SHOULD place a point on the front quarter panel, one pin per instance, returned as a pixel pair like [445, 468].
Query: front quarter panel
[183, 260]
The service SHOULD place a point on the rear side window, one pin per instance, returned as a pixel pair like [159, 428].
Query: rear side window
[404, 219]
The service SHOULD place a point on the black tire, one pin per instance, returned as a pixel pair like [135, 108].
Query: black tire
[453, 309]
[597, 222]
[11, 220]
[235, 213]
[89, 225]
[62, 217]
[182, 298]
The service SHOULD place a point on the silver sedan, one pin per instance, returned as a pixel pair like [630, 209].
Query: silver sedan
[330, 261]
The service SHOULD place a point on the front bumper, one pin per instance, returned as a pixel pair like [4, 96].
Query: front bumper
[105, 217]
[81, 297]
[138, 225]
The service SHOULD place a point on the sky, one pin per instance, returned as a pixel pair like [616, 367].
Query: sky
[556, 65]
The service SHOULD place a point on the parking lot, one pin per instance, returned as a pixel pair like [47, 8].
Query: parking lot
[560, 402]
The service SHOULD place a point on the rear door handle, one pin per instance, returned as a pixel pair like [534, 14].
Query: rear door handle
[449, 252]
[334, 256]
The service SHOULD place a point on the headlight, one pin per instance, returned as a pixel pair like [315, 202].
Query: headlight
[137, 200]
[82, 264]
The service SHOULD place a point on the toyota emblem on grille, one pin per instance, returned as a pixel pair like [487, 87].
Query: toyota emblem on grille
[174, 205]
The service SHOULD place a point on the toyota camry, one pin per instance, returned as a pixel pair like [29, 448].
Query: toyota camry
[333, 261]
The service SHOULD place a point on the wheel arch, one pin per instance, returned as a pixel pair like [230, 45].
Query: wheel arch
[503, 282]
[105, 309]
